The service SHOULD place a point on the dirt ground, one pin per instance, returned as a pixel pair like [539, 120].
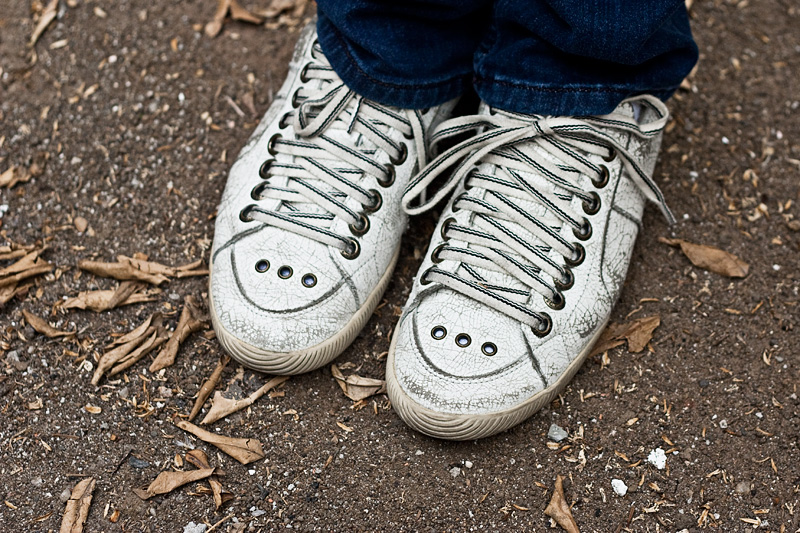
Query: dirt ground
[131, 117]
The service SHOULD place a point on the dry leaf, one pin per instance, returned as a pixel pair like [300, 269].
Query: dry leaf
[157, 338]
[356, 387]
[95, 410]
[710, 258]
[297, 7]
[168, 481]
[132, 269]
[41, 325]
[191, 320]
[237, 12]
[221, 496]
[148, 336]
[28, 266]
[558, 509]
[102, 300]
[14, 175]
[243, 450]
[14, 251]
[242, 14]
[78, 507]
[209, 386]
[637, 333]
[48, 16]
[222, 406]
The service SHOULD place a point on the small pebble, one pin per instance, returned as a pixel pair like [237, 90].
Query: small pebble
[455, 471]
[556, 433]
[723, 424]
[64, 496]
[468, 464]
[743, 487]
[619, 487]
[657, 458]
[191, 527]
[257, 513]
[37, 482]
[135, 462]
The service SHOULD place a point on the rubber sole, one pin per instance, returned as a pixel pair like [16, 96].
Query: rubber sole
[308, 359]
[452, 426]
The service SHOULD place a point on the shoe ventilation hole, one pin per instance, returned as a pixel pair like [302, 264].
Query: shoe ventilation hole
[285, 272]
[438, 333]
[463, 340]
[309, 280]
[262, 266]
[489, 348]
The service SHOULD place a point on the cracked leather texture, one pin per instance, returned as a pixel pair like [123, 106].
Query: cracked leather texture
[282, 315]
[443, 377]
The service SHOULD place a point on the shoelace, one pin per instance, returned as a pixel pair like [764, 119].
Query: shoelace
[515, 226]
[335, 139]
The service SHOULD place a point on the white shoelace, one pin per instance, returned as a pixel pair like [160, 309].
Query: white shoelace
[512, 248]
[335, 138]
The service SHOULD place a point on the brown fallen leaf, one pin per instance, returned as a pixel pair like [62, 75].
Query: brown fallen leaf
[710, 258]
[222, 406]
[637, 333]
[14, 175]
[558, 509]
[41, 325]
[78, 507]
[133, 269]
[356, 387]
[102, 300]
[208, 387]
[297, 7]
[166, 482]
[148, 335]
[156, 339]
[192, 319]
[237, 12]
[28, 266]
[243, 450]
[14, 251]
[199, 459]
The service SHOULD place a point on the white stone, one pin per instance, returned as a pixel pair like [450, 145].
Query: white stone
[619, 487]
[657, 458]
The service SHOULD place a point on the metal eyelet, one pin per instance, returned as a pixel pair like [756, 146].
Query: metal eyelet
[592, 207]
[285, 272]
[423, 279]
[602, 181]
[244, 214]
[445, 227]
[296, 99]
[438, 332]
[584, 233]
[353, 250]
[263, 170]
[361, 228]
[376, 203]
[255, 194]
[262, 265]
[304, 73]
[400, 159]
[309, 280]
[558, 303]
[580, 255]
[435, 253]
[463, 340]
[489, 348]
[283, 123]
[389, 180]
[271, 143]
[545, 326]
[611, 156]
[562, 285]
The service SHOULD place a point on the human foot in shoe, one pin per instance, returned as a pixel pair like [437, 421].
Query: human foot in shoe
[525, 265]
[308, 229]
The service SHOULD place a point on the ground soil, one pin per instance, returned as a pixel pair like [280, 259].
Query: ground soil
[143, 158]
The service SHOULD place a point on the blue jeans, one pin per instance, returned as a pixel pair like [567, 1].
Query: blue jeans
[551, 57]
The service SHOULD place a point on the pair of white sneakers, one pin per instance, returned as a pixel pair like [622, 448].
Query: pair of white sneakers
[522, 271]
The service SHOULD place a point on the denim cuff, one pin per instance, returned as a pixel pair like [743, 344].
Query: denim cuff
[346, 64]
[570, 100]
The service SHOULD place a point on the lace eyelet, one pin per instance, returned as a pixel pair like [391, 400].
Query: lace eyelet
[361, 228]
[558, 303]
[438, 332]
[489, 349]
[296, 99]
[309, 280]
[244, 214]
[591, 208]
[263, 170]
[445, 227]
[376, 204]
[283, 123]
[255, 194]
[463, 340]
[612, 155]
[562, 285]
[409, 136]
[545, 326]
[602, 181]
[584, 233]
[400, 159]
[389, 180]
[304, 73]
[271, 144]
[262, 265]
[435, 253]
[423, 279]
[285, 272]
[580, 255]
[353, 250]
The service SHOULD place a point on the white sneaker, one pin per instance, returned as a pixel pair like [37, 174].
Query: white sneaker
[525, 265]
[308, 228]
